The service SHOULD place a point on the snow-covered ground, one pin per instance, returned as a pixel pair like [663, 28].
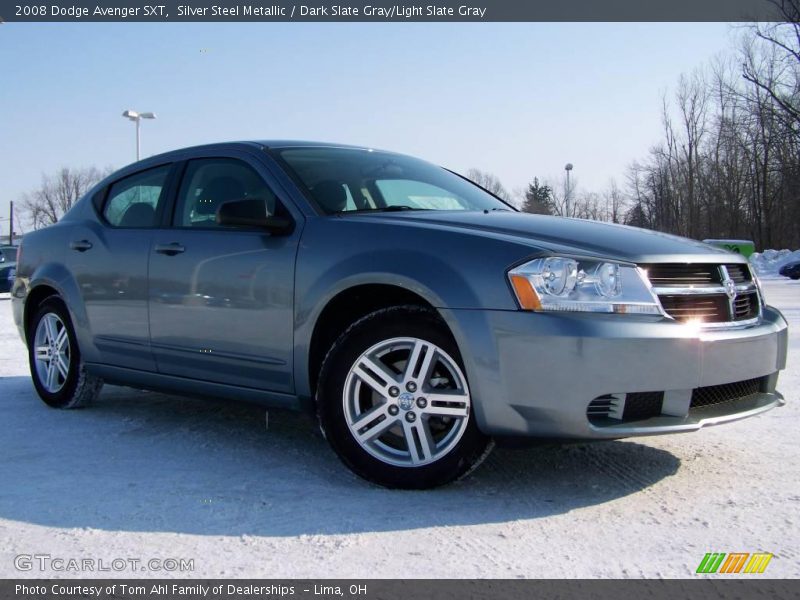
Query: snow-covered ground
[770, 261]
[144, 475]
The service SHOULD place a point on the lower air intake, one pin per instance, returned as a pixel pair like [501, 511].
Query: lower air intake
[713, 395]
[642, 405]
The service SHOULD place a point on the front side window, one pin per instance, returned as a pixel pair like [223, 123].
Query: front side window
[134, 201]
[352, 179]
[211, 182]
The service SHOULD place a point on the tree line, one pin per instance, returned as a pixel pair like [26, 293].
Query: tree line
[728, 163]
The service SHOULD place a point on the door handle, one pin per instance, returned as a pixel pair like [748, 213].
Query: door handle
[170, 249]
[81, 245]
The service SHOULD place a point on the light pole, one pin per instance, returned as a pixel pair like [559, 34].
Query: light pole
[568, 168]
[136, 117]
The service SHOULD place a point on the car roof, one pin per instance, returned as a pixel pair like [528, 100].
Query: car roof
[308, 143]
[179, 153]
[276, 144]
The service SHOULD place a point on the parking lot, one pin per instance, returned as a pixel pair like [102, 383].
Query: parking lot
[146, 476]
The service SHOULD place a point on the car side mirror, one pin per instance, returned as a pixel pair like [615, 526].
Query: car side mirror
[251, 212]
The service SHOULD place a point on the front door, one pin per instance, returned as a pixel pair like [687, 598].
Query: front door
[221, 298]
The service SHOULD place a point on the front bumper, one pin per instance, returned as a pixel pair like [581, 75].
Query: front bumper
[537, 374]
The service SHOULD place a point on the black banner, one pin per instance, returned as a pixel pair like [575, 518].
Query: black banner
[456, 589]
[387, 11]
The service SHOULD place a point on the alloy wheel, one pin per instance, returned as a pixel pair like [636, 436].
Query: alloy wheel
[52, 352]
[406, 402]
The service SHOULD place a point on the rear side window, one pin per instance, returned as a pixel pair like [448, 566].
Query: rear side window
[134, 201]
[210, 182]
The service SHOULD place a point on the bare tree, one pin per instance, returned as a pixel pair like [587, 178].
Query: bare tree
[558, 193]
[728, 164]
[771, 60]
[57, 193]
[692, 98]
[490, 182]
[641, 201]
[614, 203]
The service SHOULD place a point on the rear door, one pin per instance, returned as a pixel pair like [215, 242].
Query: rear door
[221, 298]
[109, 260]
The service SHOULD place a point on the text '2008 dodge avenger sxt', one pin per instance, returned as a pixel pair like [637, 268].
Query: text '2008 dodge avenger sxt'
[419, 316]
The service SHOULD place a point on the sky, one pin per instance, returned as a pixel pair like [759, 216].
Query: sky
[517, 100]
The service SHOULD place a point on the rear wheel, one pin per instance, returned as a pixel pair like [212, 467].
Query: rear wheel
[58, 373]
[395, 404]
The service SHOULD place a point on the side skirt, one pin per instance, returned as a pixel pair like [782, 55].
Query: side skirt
[191, 387]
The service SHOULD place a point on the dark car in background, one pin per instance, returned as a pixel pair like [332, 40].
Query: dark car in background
[8, 263]
[417, 314]
[790, 270]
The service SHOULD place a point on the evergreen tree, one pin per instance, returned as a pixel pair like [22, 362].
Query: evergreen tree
[538, 199]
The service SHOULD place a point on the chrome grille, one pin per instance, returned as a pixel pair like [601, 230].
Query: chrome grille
[739, 273]
[711, 293]
[711, 308]
[745, 306]
[677, 275]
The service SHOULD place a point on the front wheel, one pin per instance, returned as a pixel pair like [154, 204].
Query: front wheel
[58, 373]
[394, 402]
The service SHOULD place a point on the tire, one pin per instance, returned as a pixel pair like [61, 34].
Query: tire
[395, 426]
[58, 373]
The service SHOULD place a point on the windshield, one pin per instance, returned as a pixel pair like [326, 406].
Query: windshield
[354, 180]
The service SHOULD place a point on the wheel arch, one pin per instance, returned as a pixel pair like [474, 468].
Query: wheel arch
[55, 280]
[36, 296]
[344, 308]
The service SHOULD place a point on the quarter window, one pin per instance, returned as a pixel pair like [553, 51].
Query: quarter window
[134, 201]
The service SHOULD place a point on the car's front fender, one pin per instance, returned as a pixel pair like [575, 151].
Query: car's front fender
[446, 269]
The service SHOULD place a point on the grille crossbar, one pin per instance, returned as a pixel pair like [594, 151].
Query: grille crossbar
[706, 292]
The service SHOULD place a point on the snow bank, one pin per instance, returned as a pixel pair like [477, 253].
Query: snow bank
[769, 261]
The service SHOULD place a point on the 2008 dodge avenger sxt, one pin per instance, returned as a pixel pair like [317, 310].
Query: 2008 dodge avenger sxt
[418, 314]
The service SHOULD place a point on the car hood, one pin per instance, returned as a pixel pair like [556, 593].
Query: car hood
[563, 235]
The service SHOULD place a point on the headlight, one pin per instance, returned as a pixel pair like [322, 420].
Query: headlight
[565, 284]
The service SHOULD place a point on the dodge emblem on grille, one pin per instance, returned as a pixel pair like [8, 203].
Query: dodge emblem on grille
[730, 287]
